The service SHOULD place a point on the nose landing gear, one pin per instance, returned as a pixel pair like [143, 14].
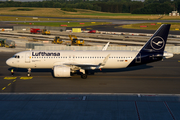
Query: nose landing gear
[29, 72]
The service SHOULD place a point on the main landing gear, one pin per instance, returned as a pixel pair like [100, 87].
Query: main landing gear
[29, 72]
[84, 76]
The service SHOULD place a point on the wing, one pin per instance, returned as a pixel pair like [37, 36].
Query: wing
[88, 65]
[82, 66]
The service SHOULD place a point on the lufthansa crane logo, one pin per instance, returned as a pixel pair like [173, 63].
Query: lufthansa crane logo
[157, 43]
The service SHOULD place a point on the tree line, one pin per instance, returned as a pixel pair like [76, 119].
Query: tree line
[113, 6]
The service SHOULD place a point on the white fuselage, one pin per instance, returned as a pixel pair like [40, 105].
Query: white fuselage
[49, 59]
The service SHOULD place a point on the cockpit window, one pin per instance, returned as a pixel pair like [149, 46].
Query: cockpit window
[16, 56]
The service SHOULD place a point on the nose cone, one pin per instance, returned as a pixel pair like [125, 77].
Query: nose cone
[9, 62]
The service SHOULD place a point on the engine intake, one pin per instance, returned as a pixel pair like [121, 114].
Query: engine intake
[61, 71]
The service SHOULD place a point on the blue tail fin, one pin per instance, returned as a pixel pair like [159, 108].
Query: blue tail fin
[158, 41]
[153, 50]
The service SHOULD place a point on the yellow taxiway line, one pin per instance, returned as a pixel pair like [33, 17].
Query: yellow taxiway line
[26, 78]
[10, 78]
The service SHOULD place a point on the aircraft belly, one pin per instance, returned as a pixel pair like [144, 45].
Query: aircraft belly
[37, 64]
[118, 63]
[25, 65]
[43, 64]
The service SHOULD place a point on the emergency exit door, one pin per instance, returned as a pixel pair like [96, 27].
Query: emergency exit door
[27, 58]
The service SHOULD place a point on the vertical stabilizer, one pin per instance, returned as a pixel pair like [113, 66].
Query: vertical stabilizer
[158, 41]
[153, 50]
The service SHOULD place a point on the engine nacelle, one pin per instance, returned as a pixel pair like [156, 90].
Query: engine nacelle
[61, 71]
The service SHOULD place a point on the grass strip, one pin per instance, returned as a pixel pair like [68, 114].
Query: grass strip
[151, 26]
[81, 13]
[67, 24]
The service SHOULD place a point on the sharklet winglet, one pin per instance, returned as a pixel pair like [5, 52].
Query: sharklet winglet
[105, 47]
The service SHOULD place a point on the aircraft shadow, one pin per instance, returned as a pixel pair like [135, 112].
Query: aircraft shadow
[16, 70]
[32, 70]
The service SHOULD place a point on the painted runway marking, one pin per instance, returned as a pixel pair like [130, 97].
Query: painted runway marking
[137, 110]
[3, 88]
[10, 78]
[26, 78]
[88, 28]
[84, 98]
[125, 77]
[111, 76]
[9, 84]
[169, 110]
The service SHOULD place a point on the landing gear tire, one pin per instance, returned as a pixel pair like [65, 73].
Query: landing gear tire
[28, 74]
[83, 76]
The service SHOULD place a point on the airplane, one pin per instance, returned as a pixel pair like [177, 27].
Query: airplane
[64, 63]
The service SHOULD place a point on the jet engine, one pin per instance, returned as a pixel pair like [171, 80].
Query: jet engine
[61, 71]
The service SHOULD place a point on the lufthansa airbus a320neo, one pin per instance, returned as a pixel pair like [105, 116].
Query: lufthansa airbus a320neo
[66, 62]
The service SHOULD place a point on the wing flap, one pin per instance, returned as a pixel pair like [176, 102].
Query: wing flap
[84, 65]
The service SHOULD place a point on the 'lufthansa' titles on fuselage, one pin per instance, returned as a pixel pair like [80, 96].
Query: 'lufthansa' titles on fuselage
[45, 54]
